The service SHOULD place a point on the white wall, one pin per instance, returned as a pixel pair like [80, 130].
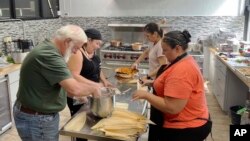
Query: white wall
[118, 8]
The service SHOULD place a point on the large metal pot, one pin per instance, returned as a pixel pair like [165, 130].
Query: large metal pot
[115, 43]
[103, 106]
[136, 46]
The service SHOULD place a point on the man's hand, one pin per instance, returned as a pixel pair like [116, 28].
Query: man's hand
[96, 92]
[107, 84]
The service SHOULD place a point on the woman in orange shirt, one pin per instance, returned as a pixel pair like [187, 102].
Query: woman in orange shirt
[178, 105]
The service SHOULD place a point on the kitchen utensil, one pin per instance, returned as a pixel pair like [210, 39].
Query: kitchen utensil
[115, 43]
[18, 57]
[144, 107]
[136, 46]
[24, 45]
[103, 106]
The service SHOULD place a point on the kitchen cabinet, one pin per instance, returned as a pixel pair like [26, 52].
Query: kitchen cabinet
[227, 87]
[5, 108]
[220, 82]
[13, 84]
[29, 9]
[5, 8]
[206, 62]
[237, 91]
[26, 8]
[50, 8]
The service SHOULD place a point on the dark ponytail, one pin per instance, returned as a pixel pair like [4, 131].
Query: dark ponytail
[174, 38]
[186, 35]
[153, 27]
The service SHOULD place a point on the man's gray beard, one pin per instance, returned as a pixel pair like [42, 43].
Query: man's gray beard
[67, 54]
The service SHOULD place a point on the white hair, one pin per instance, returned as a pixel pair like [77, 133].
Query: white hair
[73, 32]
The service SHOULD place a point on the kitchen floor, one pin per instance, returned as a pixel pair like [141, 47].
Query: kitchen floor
[220, 130]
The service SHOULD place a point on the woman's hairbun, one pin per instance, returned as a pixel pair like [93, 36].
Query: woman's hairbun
[186, 35]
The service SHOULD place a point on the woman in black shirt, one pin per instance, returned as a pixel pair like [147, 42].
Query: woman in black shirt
[85, 67]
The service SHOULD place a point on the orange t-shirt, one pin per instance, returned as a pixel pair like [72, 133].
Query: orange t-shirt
[183, 80]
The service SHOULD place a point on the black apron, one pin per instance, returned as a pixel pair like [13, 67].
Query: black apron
[156, 115]
[91, 68]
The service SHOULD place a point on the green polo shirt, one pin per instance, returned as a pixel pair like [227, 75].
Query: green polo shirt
[42, 70]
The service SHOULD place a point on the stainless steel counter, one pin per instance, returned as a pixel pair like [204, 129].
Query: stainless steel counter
[136, 106]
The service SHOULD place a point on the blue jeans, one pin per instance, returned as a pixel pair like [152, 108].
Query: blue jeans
[36, 127]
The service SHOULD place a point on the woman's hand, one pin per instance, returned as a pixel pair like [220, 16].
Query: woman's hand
[134, 66]
[107, 84]
[139, 94]
[145, 82]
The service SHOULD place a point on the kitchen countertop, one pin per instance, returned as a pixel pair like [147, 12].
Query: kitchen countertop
[135, 106]
[232, 68]
[9, 69]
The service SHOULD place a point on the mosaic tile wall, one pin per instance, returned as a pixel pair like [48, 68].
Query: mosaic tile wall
[198, 26]
[35, 30]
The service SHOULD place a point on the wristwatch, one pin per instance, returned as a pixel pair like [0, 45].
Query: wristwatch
[148, 77]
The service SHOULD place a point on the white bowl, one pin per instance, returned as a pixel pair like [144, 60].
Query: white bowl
[18, 57]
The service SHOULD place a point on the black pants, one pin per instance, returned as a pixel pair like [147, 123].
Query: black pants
[154, 133]
[73, 109]
[187, 134]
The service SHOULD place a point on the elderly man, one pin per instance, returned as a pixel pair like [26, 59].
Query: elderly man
[43, 73]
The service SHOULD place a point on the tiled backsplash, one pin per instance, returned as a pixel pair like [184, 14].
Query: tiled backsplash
[196, 25]
[37, 30]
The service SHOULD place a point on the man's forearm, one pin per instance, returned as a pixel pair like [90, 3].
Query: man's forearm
[82, 79]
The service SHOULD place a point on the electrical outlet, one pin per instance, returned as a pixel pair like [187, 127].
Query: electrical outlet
[59, 13]
[7, 39]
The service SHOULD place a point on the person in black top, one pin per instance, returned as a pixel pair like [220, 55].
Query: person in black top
[85, 67]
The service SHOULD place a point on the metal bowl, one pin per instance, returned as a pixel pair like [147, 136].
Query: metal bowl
[136, 46]
[102, 106]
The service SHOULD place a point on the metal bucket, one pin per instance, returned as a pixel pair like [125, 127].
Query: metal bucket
[102, 106]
